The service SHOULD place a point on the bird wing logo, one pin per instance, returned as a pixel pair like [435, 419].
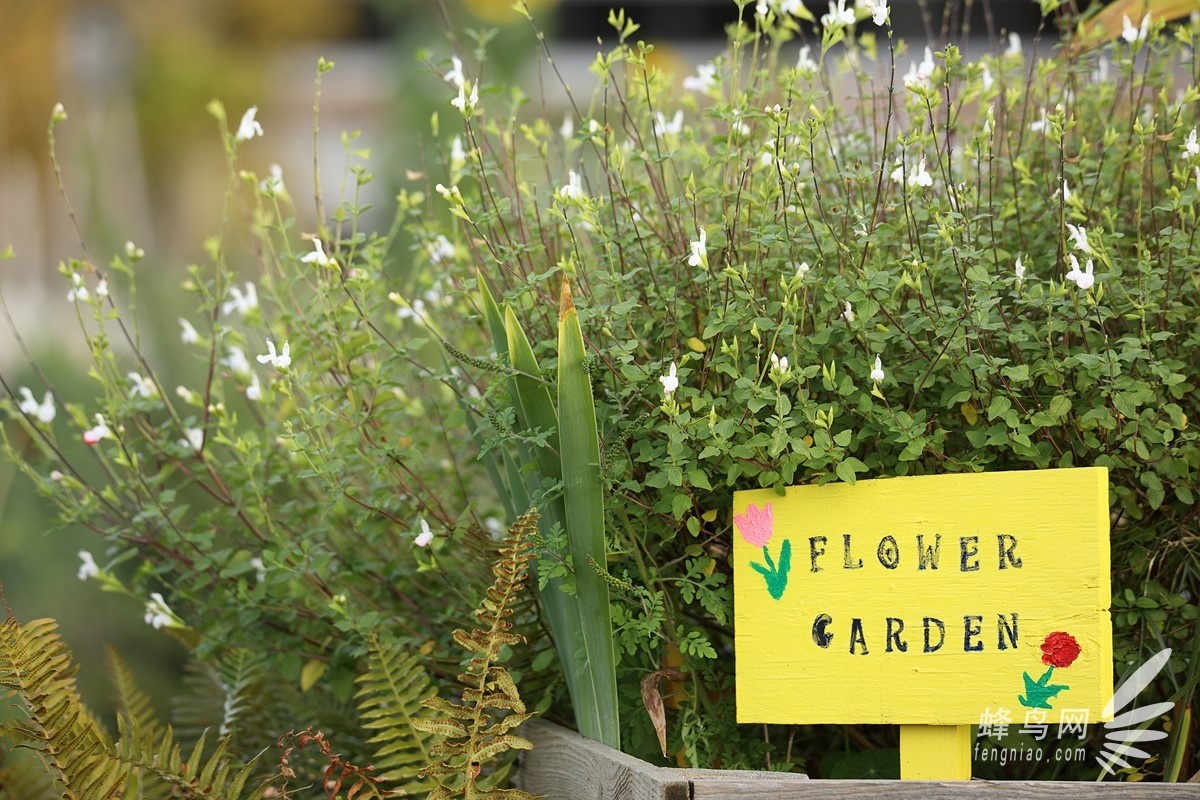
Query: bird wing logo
[1123, 733]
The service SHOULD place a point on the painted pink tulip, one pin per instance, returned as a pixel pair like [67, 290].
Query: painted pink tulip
[756, 525]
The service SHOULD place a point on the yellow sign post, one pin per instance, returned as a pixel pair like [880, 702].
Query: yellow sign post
[927, 602]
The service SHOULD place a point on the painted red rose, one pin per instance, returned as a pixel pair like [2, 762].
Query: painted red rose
[1060, 650]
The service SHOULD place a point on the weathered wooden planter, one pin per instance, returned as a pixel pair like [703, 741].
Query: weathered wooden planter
[565, 766]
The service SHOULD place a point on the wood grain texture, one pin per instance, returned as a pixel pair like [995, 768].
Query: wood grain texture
[565, 766]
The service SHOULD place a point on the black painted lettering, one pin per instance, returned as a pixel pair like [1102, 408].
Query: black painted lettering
[929, 646]
[1008, 546]
[927, 557]
[1006, 631]
[888, 552]
[814, 550]
[822, 637]
[969, 546]
[972, 627]
[857, 637]
[848, 562]
[895, 627]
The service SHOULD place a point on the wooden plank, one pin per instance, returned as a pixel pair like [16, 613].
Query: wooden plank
[565, 766]
[935, 752]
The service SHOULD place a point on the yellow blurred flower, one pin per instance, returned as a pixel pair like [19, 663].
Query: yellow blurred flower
[500, 12]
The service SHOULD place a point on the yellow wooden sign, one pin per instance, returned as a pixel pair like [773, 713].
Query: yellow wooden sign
[924, 601]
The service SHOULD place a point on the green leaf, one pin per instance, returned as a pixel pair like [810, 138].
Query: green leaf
[583, 490]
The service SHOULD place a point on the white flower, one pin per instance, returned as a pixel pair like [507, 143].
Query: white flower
[102, 288]
[918, 74]
[458, 156]
[89, 568]
[802, 269]
[985, 75]
[699, 256]
[254, 390]
[779, 366]
[567, 129]
[193, 438]
[573, 189]
[494, 527]
[704, 79]
[141, 387]
[439, 249]
[848, 312]
[897, 175]
[877, 372]
[455, 75]
[133, 252]
[1086, 279]
[235, 359]
[805, 64]
[185, 394]
[44, 412]
[1191, 148]
[670, 381]
[1019, 268]
[281, 361]
[839, 16]
[1066, 191]
[791, 7]
[158, 615]
[95, 434]
[1040, 123]
[318, 255]
[451, 193]
[664, 128]
[249, 127]
[1131, 34]
[879, 12]
[273, 183]
[56, 476]
[1083, 279]
[260, 569]
[464, 102]
[414, 310]
[78, 290]
[1014, 44]
[188, 333]
[920, 177]
[239, 301]
[989, 124]
[425, 536]
[1079, 238]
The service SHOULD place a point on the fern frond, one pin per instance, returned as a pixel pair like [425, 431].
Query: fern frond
[35, 666]
[224, 696]
[389, 700]
[22, 777]
[472, 743]
[159, 761]
[132, 701]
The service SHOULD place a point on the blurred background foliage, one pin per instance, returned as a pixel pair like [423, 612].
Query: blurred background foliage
[142, 160]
